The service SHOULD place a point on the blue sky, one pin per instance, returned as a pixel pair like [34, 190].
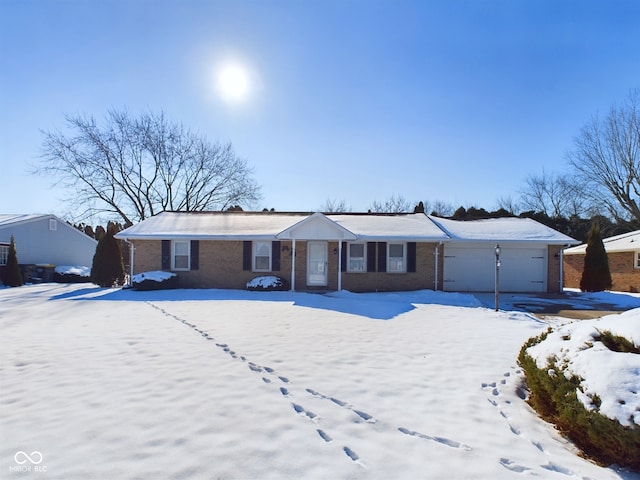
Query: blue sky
[354, 100]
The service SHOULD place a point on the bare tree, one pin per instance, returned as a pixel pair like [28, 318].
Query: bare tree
[508, 204]
[555, 195]
[137, 167]
[606, 155]
[335, 206]
[395, 204]
[439, 208]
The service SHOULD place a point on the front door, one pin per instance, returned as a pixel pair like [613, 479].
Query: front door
[317, 264]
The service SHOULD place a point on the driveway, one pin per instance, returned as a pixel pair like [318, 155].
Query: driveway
[569, 304]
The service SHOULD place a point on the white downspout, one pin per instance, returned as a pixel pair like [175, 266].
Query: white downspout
[132, 249]
[339, 265]
[293, 265]
[437, 252]
[562, 270]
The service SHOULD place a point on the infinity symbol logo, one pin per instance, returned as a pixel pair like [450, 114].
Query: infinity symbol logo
[35, 458]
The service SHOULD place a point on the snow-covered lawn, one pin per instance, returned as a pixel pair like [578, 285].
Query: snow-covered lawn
[198, 384]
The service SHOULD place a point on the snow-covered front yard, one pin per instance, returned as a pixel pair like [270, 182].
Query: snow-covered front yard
[198, 384]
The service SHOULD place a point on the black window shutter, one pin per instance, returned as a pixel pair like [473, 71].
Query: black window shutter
[411, 257]
[371, 256]
[343, 259]
[382, 256]
[195, 254]
[246, 255]
[166, 254]
[275, 256]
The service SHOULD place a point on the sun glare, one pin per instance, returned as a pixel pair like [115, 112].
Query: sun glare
[233, 83]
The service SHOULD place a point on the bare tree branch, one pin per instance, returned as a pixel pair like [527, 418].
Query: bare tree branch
[135, 167]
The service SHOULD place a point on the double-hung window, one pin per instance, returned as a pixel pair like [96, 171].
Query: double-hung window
[636, 263]
[357, 258]
[4, 254]
[396, 258]
[261, 256]
[180, 257]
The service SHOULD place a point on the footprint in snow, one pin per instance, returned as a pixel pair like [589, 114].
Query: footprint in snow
[363, 415]
[351, 454]
[558, 469]
[509, 465]
[266, 380]
[300, 409]
[284, 379]
[324, 436]
[284, 391]
[441, 440]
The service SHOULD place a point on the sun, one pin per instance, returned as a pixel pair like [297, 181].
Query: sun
[233, 82]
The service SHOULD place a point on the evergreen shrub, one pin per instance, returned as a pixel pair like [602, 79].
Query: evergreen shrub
[12, 276]
[107, 269]
[554, 397]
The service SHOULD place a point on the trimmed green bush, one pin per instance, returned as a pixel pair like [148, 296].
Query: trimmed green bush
[554, 397]
[12, 276]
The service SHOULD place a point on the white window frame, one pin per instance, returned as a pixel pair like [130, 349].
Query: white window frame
[390, 264]
[636, 263]
[53, 224]
[4, 254]
[254, 255]
[363, 259]
[174, 254]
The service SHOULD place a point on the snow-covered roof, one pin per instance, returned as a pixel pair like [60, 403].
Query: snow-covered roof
[394, 227]
[204, 225]
[507, 229]
[12, 219]
[404, 227]
[626, 242]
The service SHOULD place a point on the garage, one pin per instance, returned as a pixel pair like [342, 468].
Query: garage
[470, 267]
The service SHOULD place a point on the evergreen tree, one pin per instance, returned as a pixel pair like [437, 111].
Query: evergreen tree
[12, 276]
[596, 276]
[107, 269]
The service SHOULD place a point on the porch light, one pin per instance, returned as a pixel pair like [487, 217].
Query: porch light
[497, 289]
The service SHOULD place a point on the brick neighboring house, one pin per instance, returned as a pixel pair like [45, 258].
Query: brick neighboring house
[356, 252]
[43, 242]
[623, 252]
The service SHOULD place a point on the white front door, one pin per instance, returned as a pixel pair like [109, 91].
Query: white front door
[317, 263]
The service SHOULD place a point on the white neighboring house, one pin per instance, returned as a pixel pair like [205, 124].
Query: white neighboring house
[44, 240]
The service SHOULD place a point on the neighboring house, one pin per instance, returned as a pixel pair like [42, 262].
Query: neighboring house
[357, 252]
[44, 240]
[623, 252]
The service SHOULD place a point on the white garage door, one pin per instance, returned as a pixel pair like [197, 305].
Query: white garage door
[471, 268]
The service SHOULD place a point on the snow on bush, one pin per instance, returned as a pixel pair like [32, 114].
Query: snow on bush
[73, 270]
[610, 380]
[154, 280]
[71, 274]
[268, 282]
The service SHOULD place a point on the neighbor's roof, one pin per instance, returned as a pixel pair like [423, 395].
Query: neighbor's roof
[407, 227]
[627, 242]
[12, 219]
[506, 229]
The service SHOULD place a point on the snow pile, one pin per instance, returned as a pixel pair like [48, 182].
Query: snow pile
[614, 377]
[73, 270]
[153, 276]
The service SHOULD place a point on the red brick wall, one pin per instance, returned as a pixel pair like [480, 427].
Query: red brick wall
[624, 276]
[220, 266]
